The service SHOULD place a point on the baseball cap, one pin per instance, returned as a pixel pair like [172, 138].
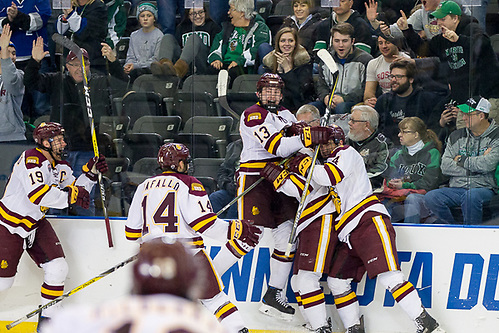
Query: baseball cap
[446, 8]
[471, 105]
[11, 44]
[72, 55]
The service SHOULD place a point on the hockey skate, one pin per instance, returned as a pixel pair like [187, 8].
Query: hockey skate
[243, 330]
[276, 305]
[358, 328]
[427, 324]
[323, 329]
[41, 321]
[309, 327]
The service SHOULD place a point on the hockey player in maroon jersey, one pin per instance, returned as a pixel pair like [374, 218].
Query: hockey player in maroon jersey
[176, 204]
[41, 179]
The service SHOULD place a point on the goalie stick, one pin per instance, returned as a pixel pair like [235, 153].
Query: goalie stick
[71, 292]
[328, 60]
[223, 80]
[70, 45]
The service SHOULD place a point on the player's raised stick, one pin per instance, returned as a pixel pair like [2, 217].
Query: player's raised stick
[69, 44]
[328, 60]
[223, 81]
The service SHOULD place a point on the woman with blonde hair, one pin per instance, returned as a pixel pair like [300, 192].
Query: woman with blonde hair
[86, 24]
[293, 64]
[413, 171]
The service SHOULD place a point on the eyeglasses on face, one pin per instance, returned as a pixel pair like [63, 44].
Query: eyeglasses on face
[396, 76]
[406, 131]
[358, 121]
[199, 13]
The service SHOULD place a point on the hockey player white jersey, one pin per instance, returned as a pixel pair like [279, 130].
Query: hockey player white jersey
[263, 139]
[176, 205]
[345, 172]
[34, 186]
[139, 314]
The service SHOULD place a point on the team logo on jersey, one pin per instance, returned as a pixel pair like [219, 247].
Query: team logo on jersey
[33, 160]
[4, 264]
[254, 116]
[197, 187]
[255, 210]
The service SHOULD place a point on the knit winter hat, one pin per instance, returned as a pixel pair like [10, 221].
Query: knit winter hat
[149, 7]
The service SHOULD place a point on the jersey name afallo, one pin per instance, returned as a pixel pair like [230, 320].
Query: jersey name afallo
[170, 204]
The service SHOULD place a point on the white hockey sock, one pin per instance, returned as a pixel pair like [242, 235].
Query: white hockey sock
[226, 312]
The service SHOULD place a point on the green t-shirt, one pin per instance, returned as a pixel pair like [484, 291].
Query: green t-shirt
[235, 49]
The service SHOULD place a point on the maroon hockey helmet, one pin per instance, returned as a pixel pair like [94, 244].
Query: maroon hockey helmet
[164, 266]
[269, 80]
[170, 155]
[336, 134]
[47, 131]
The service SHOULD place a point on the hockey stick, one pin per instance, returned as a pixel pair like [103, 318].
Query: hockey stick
[328, 60]
[69, 44]
[71, 292]
[223, 80]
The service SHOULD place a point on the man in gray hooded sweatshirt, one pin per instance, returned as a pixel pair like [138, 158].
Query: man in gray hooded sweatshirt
[11, 91]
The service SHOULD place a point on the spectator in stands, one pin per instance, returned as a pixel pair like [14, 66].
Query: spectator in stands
[144, 42]
[309, 114]
[345, 14]
[406, 100]
[378, 69]
[116, 21]
[235, 48]
[12, 127]
[414, 170]
[28, 20]
[304, 22]
[188, 50]
[70, 109]
[352, 64]
[365, 137]
[292, 63]
[86, 24]
[470, 159]
[226, 182]
[467, 62]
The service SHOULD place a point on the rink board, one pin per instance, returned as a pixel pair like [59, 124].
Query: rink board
[455, 270]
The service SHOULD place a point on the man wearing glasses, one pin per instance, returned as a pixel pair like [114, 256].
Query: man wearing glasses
[470, 159]
[406, 100]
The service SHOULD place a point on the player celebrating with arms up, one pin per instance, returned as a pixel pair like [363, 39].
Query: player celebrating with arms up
[176, 204]
[41, 179]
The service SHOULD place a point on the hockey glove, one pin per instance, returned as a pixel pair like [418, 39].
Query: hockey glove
[300, 163]
[311, 136]
[95, 165]
[245, 231]
[296, 128]
[274, 174]
[78, 195]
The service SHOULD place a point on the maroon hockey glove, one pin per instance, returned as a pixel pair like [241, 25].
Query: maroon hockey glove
[296, 128]
[78, 195]
[300, 163]
[274, 174]
[311, 136]
[94, 165]
[245, 231]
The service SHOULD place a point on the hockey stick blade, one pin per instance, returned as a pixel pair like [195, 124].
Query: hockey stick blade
[72, 291]
[328, 60]
[67, 43]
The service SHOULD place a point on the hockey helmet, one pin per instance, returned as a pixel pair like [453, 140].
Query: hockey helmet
[47, 131]
[170, 155]
[269, 80]
[336, 134]
[165, 267]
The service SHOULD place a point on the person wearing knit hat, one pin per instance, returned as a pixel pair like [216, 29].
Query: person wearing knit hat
[144, 42]
[149, 7]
